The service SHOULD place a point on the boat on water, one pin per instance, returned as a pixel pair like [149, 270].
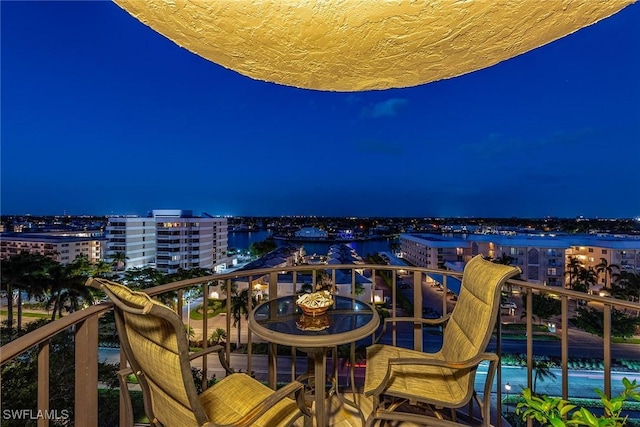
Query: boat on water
[325, 238]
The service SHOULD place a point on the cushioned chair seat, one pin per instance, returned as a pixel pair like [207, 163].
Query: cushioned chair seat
[236, 394]
[410, 381]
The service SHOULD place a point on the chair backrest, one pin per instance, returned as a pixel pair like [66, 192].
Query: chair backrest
[474, 316]
[155, 343]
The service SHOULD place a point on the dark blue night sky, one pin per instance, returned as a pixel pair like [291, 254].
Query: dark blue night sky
[101, 115]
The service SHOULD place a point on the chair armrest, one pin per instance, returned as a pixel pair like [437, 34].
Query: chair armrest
[125, 372]
[463, 364]
[258, 410]
[128, 407]
[429, 322]
[221, 355]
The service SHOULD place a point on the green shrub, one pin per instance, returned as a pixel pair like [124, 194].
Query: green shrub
[109, 407]
[557, 412]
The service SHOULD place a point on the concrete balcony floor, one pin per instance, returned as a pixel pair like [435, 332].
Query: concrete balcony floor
[341, 415]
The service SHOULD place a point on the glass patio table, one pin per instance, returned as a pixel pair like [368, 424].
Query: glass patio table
[281, 321]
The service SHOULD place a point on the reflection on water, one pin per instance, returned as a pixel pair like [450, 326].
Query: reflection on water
[242, 240]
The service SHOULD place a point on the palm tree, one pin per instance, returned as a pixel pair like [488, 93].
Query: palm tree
[573, 267]
[11, 276]
[192, 273]
[191, 333]
[66, 286]
[627, 285]
[542, 371]
[73, 296]
[217, 336]
[33, 285]
[585, 279]
[543, 307]
[141, 278]
[223, 287]
[504, 259]
[54, 281]
[21, 273]
[395, 247]
[81, 266]
[101, 269]
[607, 269]
[118, 260]
[323, 280]
[240, 308]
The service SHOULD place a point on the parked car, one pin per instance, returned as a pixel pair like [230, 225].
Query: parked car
[508, 305]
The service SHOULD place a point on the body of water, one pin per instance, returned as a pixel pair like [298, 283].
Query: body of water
[242, 240]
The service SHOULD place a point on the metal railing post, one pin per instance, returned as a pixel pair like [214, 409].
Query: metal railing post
[417, 311]
[564, 343]
[205, 331]
[607, 350]
[86, 382]
[43, 382]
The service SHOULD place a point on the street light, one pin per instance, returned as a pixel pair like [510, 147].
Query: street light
[507, 387]
[188, 314]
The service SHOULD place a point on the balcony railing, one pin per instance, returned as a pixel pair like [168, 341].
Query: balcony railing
[384, 281]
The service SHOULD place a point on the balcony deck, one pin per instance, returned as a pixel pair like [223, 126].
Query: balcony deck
[85, 326]
[343, 416]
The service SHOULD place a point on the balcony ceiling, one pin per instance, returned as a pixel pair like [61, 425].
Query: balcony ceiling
[356, 45]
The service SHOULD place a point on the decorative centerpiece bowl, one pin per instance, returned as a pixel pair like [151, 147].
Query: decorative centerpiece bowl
[315, 304]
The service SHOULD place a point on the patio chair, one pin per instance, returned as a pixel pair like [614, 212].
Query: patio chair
[413, 386]
[154, 341]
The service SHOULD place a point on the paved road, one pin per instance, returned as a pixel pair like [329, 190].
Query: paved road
[582, 345]
[581, 382]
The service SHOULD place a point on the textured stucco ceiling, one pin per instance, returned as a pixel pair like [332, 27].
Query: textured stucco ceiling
[355, 45]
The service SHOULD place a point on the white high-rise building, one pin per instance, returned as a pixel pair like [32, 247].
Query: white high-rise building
[135, 237]
[185, 241]
[169, 239]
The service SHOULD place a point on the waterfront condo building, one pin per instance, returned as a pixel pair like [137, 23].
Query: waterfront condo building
[542, 258]
[185, 241]
[432, 250]
[133, 236]
[623, 252]
[61, 247]
[169, 240]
